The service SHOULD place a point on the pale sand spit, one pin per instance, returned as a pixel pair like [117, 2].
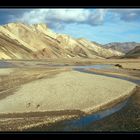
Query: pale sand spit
[68, 90]
[6, 71]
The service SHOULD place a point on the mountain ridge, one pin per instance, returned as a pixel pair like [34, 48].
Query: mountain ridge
[124, 47]
[38, 41]
[134, 53]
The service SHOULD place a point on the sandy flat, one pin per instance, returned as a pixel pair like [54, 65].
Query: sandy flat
[67, 90]
[6, 71]
[131, 65]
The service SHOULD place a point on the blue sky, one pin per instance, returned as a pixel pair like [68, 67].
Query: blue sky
[99, 25]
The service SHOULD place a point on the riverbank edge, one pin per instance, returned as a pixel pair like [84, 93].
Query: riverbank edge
[112, 103]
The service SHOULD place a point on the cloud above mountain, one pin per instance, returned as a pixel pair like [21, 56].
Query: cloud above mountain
[59, 17]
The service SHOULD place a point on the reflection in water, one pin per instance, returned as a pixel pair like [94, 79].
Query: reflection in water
[86, 120]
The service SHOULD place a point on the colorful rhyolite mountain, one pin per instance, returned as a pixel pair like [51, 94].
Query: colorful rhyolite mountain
[21, 41]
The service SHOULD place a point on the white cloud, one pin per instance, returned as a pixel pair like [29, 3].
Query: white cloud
[127, 14]
[98, 17]
[57, 17]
